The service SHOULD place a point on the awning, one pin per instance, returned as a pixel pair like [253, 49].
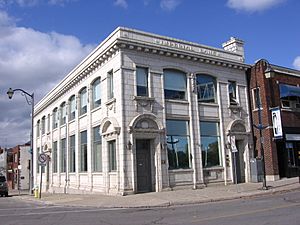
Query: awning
[289, 90]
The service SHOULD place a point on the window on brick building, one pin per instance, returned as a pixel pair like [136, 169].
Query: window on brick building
[256, 98]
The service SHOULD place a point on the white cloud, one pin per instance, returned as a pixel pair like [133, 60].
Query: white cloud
[35, 62]
[121, 3]
[296, 63]
[252, 5]
[32, 3]
[169, 5]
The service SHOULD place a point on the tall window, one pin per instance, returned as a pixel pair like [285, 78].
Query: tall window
[37, 161]
[83, 101]
[54, 118]
[54, 157]
[206, 88]
[63, 155]
[112, 155]
[97, 150]
[72, 154]
[256, 98]
[43, 125]
[175, 84]
[38, 127]
[72, 108]
[48, 123]
[232, 93]
[292, 154]
[96, 93]
[178, 144]
[210, 144]
[110, 85]
[83, 151]
[142, 81]
[63, 113]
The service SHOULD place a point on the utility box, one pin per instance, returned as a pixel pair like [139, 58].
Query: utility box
[256, 170]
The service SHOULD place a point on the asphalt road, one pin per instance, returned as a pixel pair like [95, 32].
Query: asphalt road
[277, 209]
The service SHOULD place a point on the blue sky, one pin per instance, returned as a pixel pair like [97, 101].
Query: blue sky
[41, 40]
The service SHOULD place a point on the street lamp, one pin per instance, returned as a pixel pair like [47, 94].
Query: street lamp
[260, 126]
[30, 101]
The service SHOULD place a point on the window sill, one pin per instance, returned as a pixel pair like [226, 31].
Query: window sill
[82, 116]
[96, 108]
[180, 101]
[110, 101]
[208, 104]
[214, 168]
[180, 170]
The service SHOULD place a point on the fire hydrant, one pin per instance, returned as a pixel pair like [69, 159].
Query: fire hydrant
[36, 192]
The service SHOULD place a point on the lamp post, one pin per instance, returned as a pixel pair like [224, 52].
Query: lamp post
[260, 126]
[30, 101]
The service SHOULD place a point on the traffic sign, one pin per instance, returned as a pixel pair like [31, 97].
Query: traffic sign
[42, 158]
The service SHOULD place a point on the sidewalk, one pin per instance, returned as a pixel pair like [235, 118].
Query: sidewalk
[168, 198]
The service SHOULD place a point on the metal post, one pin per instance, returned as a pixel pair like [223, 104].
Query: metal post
[260, 127]
[10, 94]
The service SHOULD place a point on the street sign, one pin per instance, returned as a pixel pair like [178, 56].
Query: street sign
[42, 158]
[233, 146]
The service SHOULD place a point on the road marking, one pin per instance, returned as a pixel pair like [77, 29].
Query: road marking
[245, 213]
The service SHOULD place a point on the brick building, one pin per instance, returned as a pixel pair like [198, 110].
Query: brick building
[277, 89]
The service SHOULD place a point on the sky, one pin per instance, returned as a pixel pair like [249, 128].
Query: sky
[42, 40]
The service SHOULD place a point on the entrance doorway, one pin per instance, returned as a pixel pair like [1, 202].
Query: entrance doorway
[240, 162]
[143, 162]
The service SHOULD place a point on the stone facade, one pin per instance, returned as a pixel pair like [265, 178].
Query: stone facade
[133, 126]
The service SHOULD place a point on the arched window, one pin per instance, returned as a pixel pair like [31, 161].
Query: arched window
[43, 127]
[206, 88]
[175, 84]
[54, 118]
[38, 128]
[96, 93]
[63, 113]
[72, 107]
[83, 101]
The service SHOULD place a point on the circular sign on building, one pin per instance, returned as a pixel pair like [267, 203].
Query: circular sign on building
[43, 158]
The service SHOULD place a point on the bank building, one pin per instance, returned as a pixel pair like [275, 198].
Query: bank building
[145, 112]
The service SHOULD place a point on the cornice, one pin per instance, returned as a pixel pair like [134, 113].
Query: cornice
[124, 38]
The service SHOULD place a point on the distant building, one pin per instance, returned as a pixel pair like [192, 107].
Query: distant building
[3, 161]
[18, 165]
[145, 112]
[279, 93]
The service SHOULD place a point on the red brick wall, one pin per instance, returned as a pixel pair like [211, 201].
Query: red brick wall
[270, 97]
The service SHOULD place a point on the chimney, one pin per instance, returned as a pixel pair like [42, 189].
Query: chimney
[234, 45]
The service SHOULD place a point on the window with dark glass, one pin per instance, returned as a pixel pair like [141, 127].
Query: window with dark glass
[63, 113]
[83, 151]
[178, 144]
[43, 127]
[37, 161]
[72, 108]
[110, 85]
[83, 101]
[175, 84]
[54, 118]
[256, 98]
[54, 157]
[142, 81]
[63, 155]
[72, 154]
[112, 155]
[232, 93]
[292, 154]
[38, 127]
[96, 93]
[210, 144]
[48, 122]
[289, 96]
[97, 150]
[206, 88]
